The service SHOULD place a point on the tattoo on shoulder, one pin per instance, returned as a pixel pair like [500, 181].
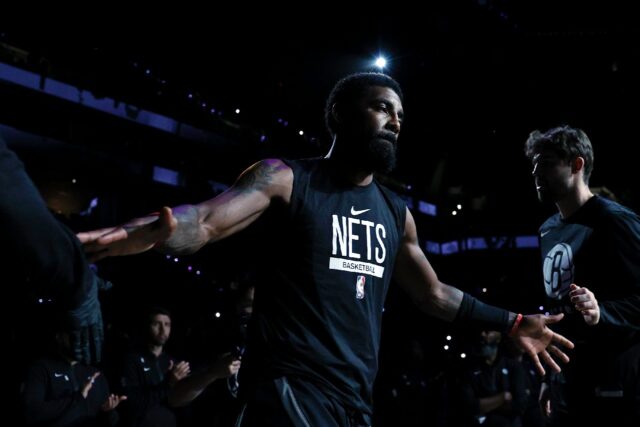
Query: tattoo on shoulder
[258, 176]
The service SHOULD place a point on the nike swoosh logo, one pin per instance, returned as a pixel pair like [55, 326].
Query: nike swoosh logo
[356, 213]
[146, 369]
[544, 233]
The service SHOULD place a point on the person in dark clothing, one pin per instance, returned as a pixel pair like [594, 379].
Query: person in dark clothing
[338, 236]
[493, 389]
[591, 268]
[149, 374]
[42, 257]
[59, 391]
[156, 384]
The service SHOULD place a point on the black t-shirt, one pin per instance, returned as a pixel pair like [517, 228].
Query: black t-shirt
[331, 255]
[598, 247]
[52, 395]
[482, 380]
[145, 383]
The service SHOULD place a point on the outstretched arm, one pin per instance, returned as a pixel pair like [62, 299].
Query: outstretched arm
[414, 273]
[416, 276]
[187, 228]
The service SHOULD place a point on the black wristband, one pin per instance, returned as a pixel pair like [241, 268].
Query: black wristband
[482, 315]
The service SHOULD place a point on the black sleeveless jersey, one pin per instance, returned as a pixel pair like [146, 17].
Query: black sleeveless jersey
[330, 259]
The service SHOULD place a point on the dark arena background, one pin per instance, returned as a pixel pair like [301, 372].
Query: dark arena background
[113, 123]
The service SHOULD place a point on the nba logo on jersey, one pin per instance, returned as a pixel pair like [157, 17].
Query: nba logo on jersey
[360, 287]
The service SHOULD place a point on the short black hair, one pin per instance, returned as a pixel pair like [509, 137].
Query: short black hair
[349, 88]
[154, 311]
[566, 142]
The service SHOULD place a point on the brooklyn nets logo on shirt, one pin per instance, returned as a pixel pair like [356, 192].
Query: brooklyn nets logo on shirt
[346, 231]
[558, 270]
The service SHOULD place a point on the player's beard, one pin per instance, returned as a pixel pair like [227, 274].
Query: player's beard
[381, 153]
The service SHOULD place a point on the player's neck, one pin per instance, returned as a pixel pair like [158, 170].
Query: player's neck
[348, 167]
[350, 173]
[574, 200]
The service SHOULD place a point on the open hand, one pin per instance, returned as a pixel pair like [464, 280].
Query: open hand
[535, 338]
[136, 236]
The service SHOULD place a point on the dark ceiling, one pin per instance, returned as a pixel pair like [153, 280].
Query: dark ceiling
[478, 76]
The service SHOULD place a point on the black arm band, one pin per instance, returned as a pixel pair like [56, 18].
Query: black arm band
[474, 312]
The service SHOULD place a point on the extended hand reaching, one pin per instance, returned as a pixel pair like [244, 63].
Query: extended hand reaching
[138, 235]
[535, 338]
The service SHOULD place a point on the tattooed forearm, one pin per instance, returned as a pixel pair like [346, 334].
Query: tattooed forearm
[187, 237]
[228, 212]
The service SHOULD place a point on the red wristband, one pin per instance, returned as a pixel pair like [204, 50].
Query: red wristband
[516, 324]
